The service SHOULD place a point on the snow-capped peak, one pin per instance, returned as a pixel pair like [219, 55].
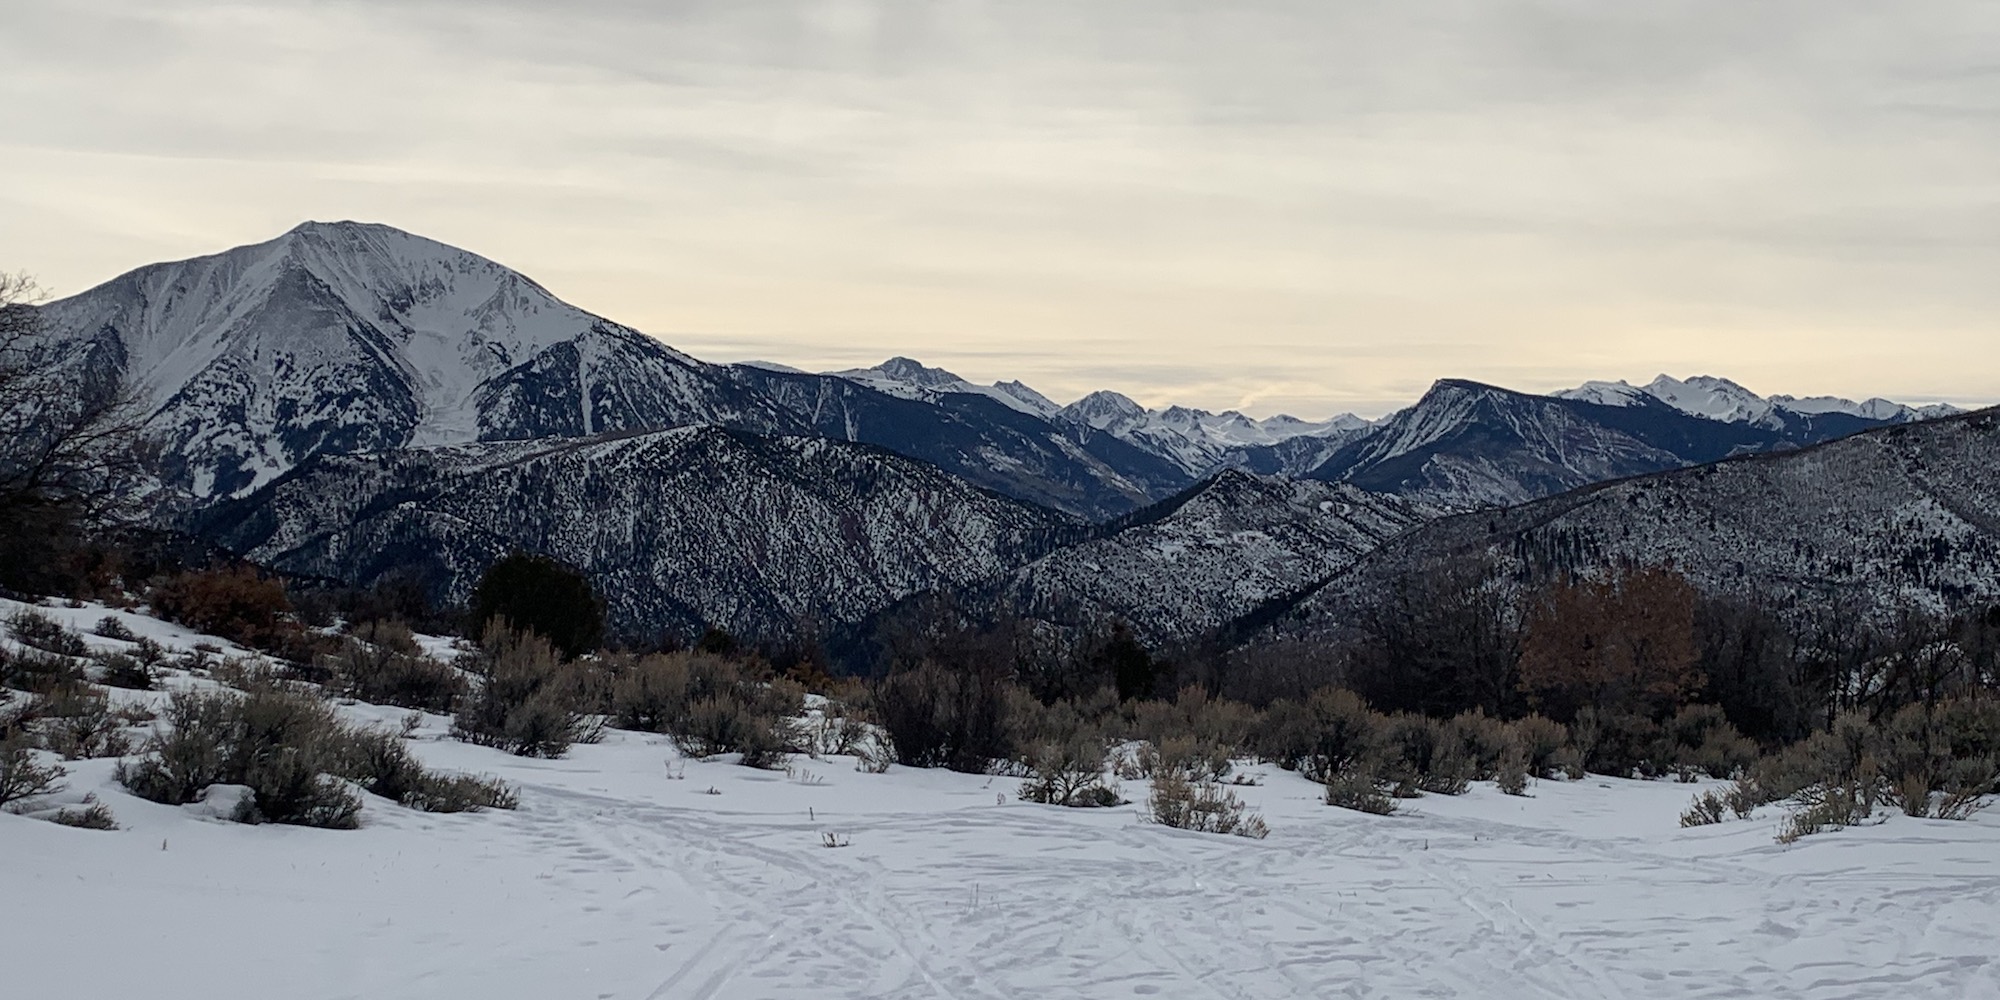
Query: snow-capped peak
[1710, 396]
[349, 336]
[1105, 410]
[1026, 394]
[1722, 399]
[1619, 393]
[911, 379]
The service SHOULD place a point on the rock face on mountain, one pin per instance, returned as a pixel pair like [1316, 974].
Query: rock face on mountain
[1190, 564]
[1901, 516]
[1471, 445]
[679, 529]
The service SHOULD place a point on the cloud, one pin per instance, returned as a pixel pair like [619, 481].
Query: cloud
[1304, 205]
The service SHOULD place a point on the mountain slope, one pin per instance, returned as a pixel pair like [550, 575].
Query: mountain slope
[1722, 399]
[343, 337]
[1471, 445]
[679, 529]
[1227, 546]
[1906, 515]
[988, 442]
[1196, 442]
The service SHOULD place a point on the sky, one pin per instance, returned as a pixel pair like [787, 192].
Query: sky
[1308, 206]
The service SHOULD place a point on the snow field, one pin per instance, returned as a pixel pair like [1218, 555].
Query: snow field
[617, 879]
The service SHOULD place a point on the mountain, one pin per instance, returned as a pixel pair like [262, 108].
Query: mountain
[1467, 445]
[985, 440]
[679, 529]
[1190, 564]
[1906, 515]
[1721, 399]
[348, 337]
[1197, 442]
[910, 379]
[1200, 442]
[340, 338]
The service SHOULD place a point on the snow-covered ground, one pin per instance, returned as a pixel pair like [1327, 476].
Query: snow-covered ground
[629, 874]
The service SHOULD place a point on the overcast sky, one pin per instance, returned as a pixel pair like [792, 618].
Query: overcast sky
[1309, 205]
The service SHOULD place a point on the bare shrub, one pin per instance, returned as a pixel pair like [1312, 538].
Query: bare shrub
[121, 671]
[1359, 790]
[1541, 741]
[1828, 807]
[236, 603]
[1194, 714]
[713, 705]
[22, 773]
[1479, 739]
[149, 652]
[32, 628]
[1964, 788]
[301, 763]
[382, 665]
[1569, 762]
[1190, 756]
[939, 717]
[1511, 774]
[1707, 808]
[836, 731]
[526, 702]
[1700, 738]
[110, 627]
[1202, 807]
[91, 817]
[77, 723]
[382, 765]
[1744, 796]
[38, 670]
[1068, 772]
[1332, 731]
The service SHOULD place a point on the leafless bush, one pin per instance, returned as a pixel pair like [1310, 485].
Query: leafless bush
[22, 773]
[301, 763]
[525, 703]
[382, 665]
[110, 627]
[1203, 807]
[91, 817]
[32, 628]
[1193, 758]
[1333, 730]
[237, 603]
[1707, 808]
[77, 723]
[1069, 772]
[1511, 774]
[121, 671]
[1359, 790]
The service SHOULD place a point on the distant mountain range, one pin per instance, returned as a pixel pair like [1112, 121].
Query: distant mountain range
[352, 401]
[1901, 518]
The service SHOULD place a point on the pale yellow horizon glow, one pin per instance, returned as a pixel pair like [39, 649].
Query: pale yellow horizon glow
[1305, 207]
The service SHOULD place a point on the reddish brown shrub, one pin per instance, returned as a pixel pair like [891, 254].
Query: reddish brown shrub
[236, 603]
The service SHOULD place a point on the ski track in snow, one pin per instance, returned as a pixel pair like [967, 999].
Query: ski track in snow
[615, 881]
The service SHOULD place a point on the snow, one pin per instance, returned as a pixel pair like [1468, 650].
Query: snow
[910, 379]
[1197, 441]
[1721, 399]
[617, 879]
